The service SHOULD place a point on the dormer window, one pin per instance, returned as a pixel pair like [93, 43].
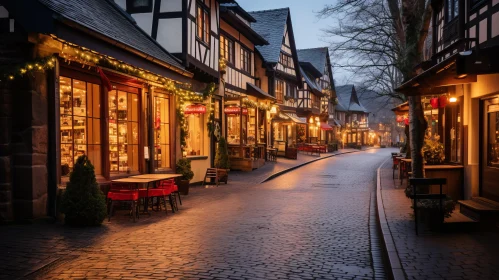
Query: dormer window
[451, 9]
[138, 6]
[203, 23]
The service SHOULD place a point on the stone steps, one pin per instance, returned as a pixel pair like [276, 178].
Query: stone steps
[481, 209]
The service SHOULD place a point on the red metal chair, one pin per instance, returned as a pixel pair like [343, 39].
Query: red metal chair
[160, 194]
[123, 193]
[396, 163]
[170, 183]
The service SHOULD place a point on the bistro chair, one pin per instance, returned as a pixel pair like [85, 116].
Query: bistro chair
[169, 187]
[160, 194]
[395, 166]
[123, 193]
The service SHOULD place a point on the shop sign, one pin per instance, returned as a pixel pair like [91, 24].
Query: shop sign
[233, 110]
[195, 109]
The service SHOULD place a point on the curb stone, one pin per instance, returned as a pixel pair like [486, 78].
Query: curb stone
[279, 173]
[395, 268]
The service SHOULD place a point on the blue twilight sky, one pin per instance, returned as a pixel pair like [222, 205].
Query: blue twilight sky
[306, 25]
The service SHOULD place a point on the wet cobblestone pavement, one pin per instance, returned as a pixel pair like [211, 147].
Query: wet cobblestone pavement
[311, 223]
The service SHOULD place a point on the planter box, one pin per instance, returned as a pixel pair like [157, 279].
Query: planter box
[291, 153]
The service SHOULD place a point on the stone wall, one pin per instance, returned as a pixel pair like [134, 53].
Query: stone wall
[6, 211]
[29, 146]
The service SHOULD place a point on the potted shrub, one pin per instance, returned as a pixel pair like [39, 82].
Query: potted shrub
[433, 151]
[83, 203]
[222, 162]
[184, 167]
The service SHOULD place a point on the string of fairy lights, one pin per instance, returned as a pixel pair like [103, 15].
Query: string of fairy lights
[89, 58]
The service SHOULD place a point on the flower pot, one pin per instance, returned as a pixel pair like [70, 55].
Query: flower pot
[183, 186]
[223, 175]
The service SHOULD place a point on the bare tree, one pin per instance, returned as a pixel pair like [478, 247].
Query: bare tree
[382, 41]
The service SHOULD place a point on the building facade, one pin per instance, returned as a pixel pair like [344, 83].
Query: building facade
[78, 86]
[353, 117]
[464, 72]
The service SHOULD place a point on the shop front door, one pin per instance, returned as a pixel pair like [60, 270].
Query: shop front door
[490, 149]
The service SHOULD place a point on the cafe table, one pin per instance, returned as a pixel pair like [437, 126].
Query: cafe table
[405, 164]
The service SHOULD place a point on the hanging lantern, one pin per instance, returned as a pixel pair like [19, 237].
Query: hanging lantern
[406, 121]
[434, 103]
[234, 110]
[400, 118]
[442, 101]
[195, 109]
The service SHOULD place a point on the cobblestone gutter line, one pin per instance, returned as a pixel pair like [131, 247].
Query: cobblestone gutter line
[378, 254]
[282, 172]
[395, 266]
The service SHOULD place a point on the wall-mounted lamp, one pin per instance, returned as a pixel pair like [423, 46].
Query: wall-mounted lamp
[311, 120]
[453, 99]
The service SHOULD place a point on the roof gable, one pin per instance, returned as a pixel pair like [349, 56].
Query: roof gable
[348, 99]
[271, 25]
[316, 56]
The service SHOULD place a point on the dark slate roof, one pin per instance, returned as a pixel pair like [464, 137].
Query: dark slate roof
[270, 24]
[238, 9]
[310, 81]
[347, 100]
[316, 56]
[378, 106]
[107, 18]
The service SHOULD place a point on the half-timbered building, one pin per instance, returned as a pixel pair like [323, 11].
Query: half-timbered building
[190, 30]
[72, 84]
[316, 98]
[279, 73]
[463, 73]
[246, 106]
[353, 116]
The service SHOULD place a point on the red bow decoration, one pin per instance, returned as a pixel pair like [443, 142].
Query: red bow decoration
[105, 80]
[442, 101]
[434, 103]
[406, 121]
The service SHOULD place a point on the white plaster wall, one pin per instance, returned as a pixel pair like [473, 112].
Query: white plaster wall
[170, 34]
[171, 6]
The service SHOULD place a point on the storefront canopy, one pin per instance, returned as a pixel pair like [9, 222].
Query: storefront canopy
[325, 126]
[289, 117]
[401, 109]
[255, 91]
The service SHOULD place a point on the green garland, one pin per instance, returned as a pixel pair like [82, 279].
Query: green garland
[12, 72]
[253, 104]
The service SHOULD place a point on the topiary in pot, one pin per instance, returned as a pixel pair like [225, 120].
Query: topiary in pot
[222, 162]
[83, 202]
[184, 167]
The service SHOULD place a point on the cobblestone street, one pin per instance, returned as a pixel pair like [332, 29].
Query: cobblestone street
[307, 224]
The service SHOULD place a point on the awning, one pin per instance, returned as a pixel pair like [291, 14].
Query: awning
[325, 126]
[288, 117]
[401, 109]
[257, 92]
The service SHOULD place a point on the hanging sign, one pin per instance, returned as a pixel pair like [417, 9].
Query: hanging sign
[195, 109]
[233, 110]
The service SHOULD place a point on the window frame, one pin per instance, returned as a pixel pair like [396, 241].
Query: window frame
[139, 10]
[452, 12]
[230, 51]
[279, 97]
[205, 20]
[246, 67]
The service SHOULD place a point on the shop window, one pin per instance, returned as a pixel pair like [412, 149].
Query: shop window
[455, 133]
[162, 132]
[237, 128]
[245, 60]
[123, 132]
[227, 49]
[251, 126]
[493, 135]
[279, 91]
[203, 23]
[138, 6]
[79, 123]
[195, 134]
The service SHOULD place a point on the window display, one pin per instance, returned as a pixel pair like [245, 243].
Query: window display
[455, 134]
[79, 123]
[195, 122]
[251, 126]
[237, 126]
[123, 131]
[162, 132]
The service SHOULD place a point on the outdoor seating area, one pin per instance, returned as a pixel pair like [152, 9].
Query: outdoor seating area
[312, 149]
[144, 190]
